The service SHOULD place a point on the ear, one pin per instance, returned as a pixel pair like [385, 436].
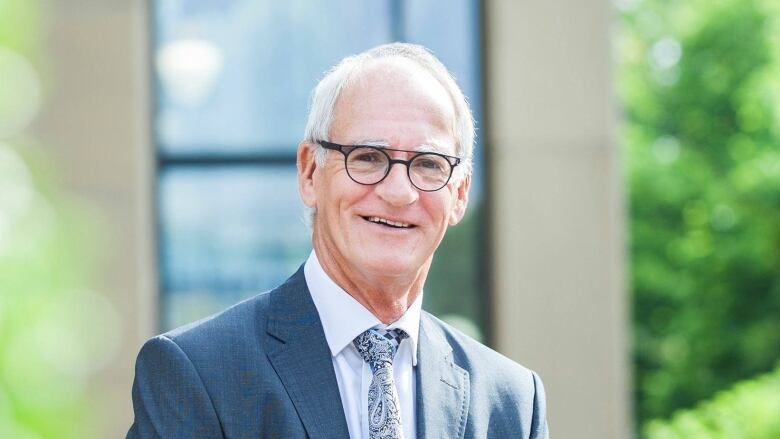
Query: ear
[306, 166]
[461, 202]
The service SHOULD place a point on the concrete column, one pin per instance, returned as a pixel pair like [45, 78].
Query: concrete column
[95, 123]
[557, 212]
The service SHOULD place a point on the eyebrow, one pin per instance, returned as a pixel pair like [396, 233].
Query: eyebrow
[373, 142]
[385, 144]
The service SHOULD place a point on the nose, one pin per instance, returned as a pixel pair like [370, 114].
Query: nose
[396, 188]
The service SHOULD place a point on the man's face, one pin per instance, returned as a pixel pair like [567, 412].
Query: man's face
[396, 105]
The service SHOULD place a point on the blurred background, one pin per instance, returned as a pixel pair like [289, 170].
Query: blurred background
[623, 238]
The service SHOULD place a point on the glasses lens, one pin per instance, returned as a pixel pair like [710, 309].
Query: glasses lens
[430, 172]
[367, 165]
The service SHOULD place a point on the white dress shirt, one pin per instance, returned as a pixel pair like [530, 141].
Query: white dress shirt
[344, 318]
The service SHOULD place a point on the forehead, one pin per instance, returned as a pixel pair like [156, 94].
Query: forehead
[395, 101]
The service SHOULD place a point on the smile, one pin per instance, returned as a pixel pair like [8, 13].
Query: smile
[386, 222]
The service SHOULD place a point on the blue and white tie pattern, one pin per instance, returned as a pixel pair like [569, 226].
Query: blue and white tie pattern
[378, 347]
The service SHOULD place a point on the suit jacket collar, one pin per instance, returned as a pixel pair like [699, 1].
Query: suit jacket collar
[299, 353]
[442, 385]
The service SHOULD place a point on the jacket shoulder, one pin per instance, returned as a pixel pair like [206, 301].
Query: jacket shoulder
[243, 319]
[502, 390]
[474, 353]
[488, 369]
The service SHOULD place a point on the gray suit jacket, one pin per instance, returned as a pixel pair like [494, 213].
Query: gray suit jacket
[262, 368]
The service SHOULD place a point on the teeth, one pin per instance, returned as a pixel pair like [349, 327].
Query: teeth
[376, 219]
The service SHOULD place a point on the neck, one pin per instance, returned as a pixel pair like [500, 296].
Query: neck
[386, 296]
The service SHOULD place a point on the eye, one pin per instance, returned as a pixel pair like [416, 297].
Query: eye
[429, 163]
[366, 155]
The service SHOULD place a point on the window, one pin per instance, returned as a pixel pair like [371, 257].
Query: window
[232, 82]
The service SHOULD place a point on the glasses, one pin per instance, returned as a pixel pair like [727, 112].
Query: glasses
[428, 171]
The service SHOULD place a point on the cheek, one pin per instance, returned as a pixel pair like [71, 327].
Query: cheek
[439, 209]
[341, 197]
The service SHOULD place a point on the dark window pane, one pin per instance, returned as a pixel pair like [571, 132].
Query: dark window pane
[227, 233]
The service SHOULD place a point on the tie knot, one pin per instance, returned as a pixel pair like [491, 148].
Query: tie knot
[378, 346]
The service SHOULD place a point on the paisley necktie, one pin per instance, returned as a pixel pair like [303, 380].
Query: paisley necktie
[378, 347]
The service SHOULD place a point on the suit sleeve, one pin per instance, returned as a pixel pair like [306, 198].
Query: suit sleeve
[169, 398]
[539, 428]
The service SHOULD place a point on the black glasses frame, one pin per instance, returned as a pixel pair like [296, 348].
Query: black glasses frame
[347, 150]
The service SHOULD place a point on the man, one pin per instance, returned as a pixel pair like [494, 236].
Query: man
[342, 348]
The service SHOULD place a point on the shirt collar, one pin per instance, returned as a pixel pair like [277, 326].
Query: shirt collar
[333, 304]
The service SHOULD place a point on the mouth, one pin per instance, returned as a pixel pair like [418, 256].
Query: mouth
[388, 223]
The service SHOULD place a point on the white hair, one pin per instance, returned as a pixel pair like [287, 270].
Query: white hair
[330, 87]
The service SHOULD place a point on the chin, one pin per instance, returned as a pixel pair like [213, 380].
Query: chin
[390, 264]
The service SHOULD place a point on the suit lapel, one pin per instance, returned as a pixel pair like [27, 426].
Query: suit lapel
[442, 386]
[299, 353]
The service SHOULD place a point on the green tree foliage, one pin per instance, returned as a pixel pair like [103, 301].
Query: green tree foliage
[55, 333]
[749, 410]
[700, 85]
